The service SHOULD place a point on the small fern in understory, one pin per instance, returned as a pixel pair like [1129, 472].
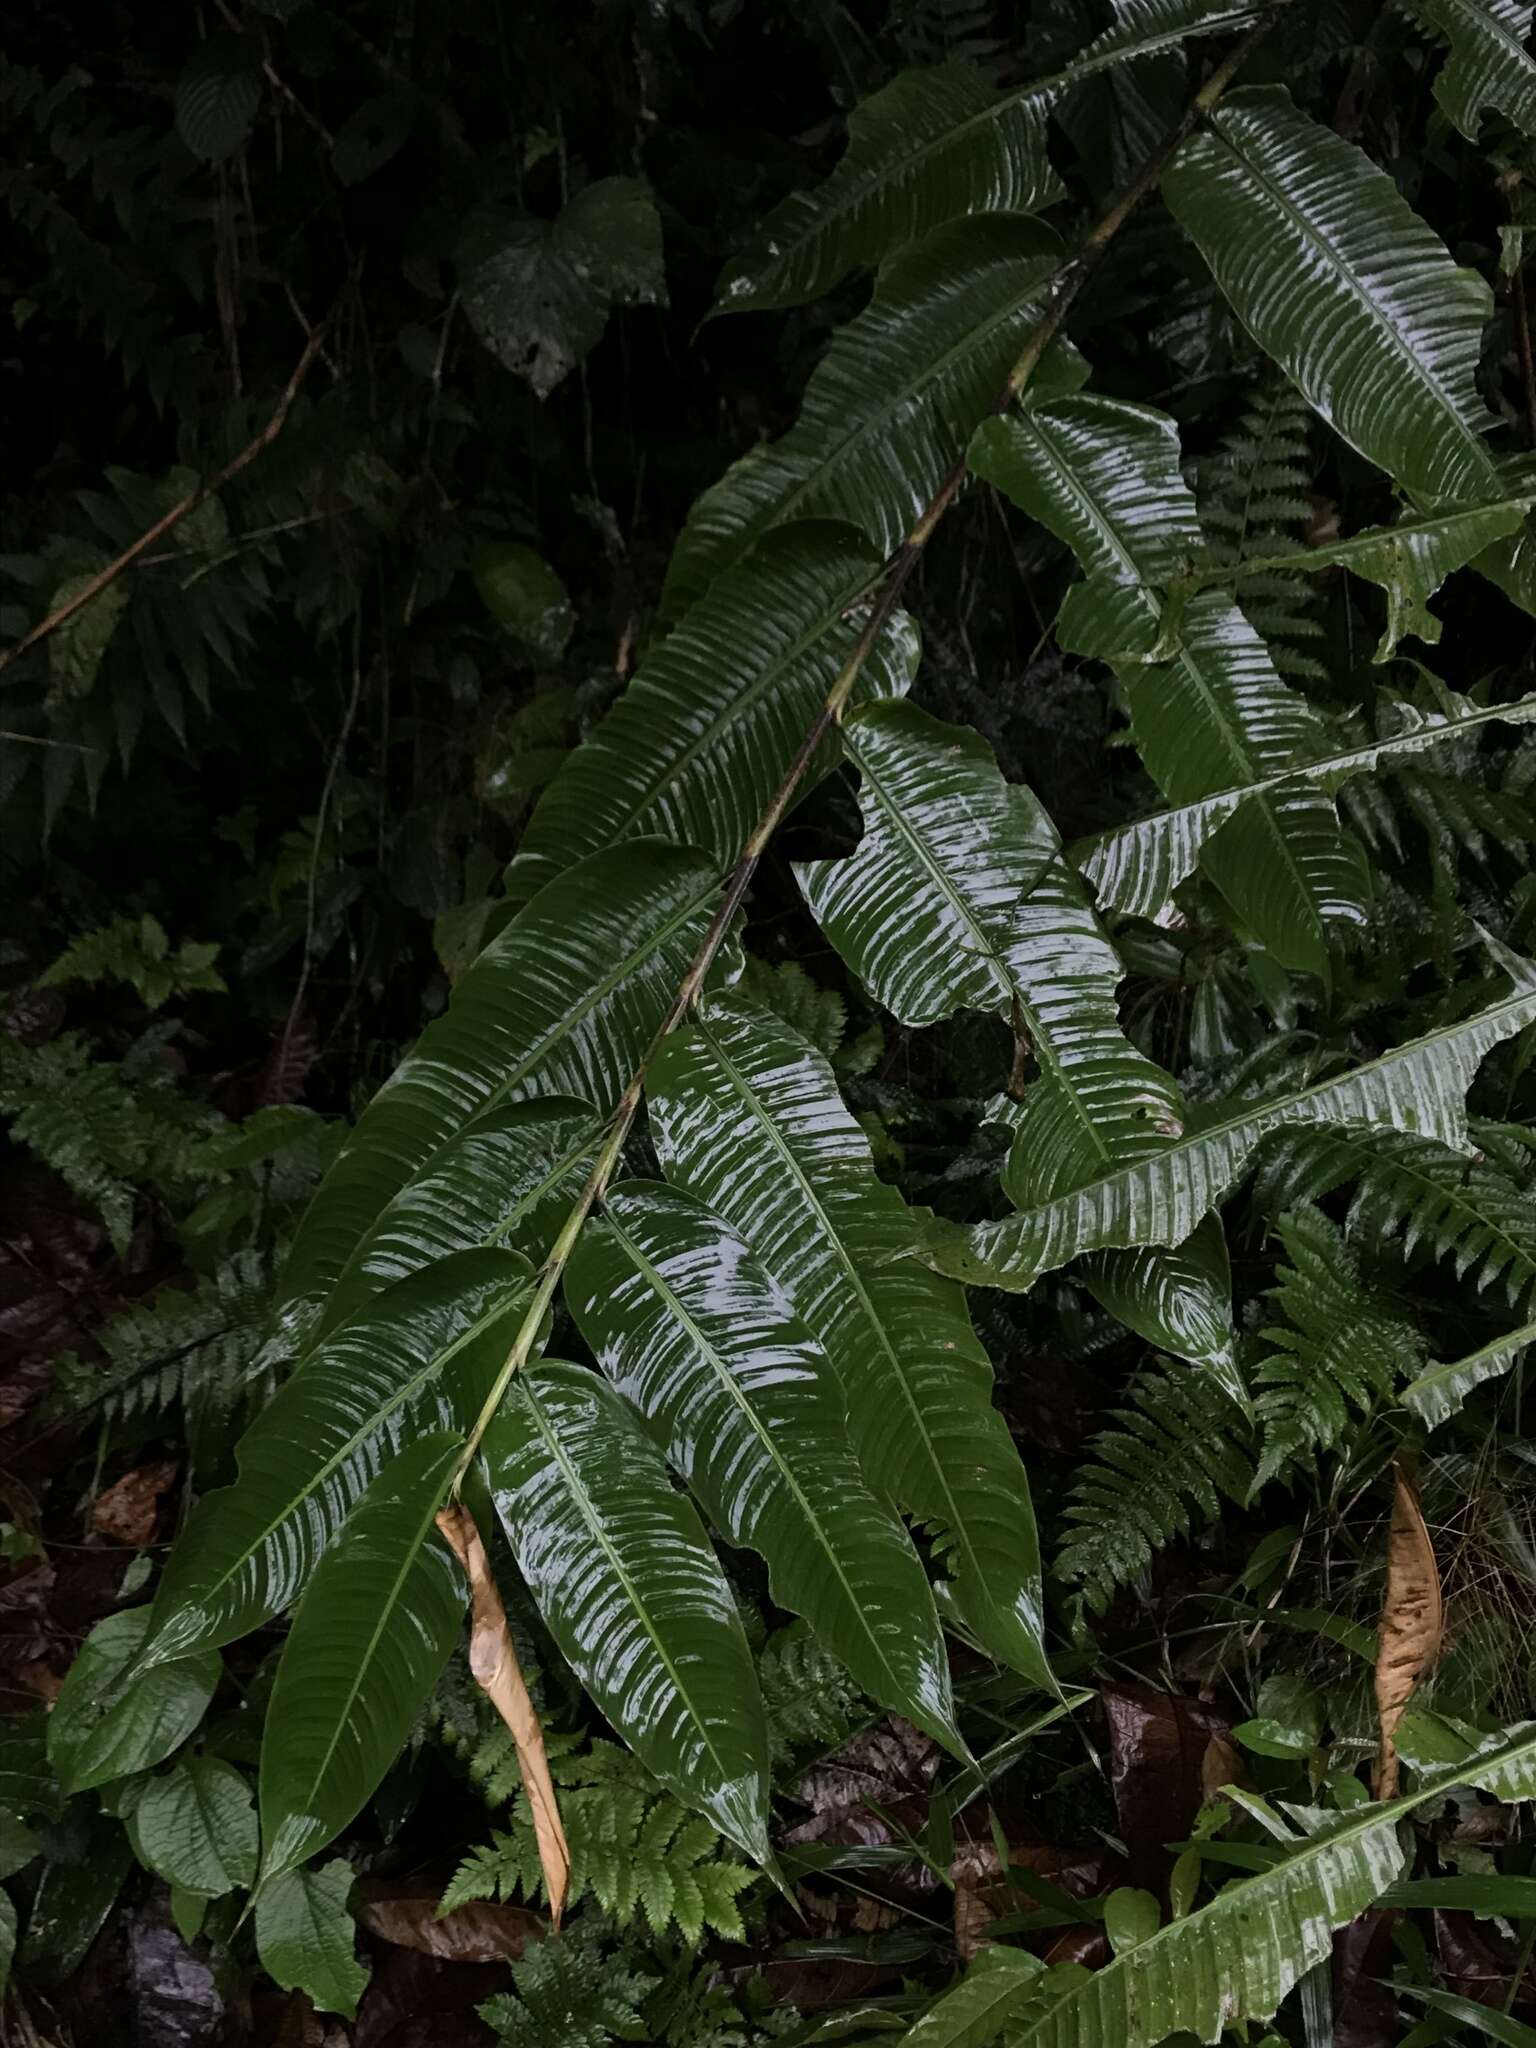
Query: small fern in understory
[1178, 1448]
[1253, 504]
[190, 1355]
[137, 950]
[569, 1994]
[105, 1129]
[1339, 1350]
[810, 1699]
[1413, 1198]
[633, 1848]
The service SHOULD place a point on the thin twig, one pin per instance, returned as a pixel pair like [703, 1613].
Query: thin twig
[1062, 292]
[179, 511]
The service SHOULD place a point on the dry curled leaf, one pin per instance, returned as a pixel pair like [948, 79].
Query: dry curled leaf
[128, 1511]
[479, 1932]
[493, 1663]
[1412, 1622]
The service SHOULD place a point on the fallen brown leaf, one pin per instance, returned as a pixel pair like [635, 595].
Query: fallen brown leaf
[1158, 1744]
[1412, 1623]
[128, 1511]
[981, 1894]
[493, 1663]
[406, 1914]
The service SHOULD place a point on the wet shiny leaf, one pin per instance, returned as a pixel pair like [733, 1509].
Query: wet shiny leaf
[197, 1827]
[306, 1939]
[101, 1729]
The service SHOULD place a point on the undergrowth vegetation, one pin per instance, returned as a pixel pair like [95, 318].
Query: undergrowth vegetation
[771, 1199]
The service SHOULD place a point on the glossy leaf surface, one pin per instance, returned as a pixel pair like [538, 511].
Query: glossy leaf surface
[562, 1002]
[702, 736]
[196, 1827]
[1239, 1956]
[1178, 1297]
[1418, 1086]
[932, 146]
[506, 1179]
[747, 1117]
[690, 1328]
[422, 1357]
[377, 1623]
[101, 1729]
[1489, 64]
[1135, 868]
[890, 405]
[1340, 281]
[1105, 478]
[1437, 1394]
[625, 1577]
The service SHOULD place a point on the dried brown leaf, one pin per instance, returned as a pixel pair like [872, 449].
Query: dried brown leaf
[128, 1511]
[479, 1932]
[493, 1663]
[1412, 1623]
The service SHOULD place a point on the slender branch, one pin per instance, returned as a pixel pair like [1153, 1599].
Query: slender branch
[1062, 292]
[179, 511]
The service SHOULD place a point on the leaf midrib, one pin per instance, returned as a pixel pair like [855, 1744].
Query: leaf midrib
[691, 1329]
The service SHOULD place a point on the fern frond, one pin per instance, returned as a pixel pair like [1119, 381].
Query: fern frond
[1252, 495]
[569, 1993]
[818, 1014]
[1339, 1351]
[634, 1849]
[1179, 1448]
[138, 951]
[1413, 1196]
[810, 1699]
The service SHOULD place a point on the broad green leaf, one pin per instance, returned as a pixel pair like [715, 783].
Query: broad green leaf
[562, 1002]
[959, 894]
[624, 1575]
[1105, 478]
[689, 1327]
[100, 1730]
[217, 96]
[506, 1179]
[306, 1940]
[1340, 281]
[421, 1357]
[932, 146]
[1489, 2021]
[702, 736]
[889, 406]
[1239, 1956]
[1178, 1298]
[196, 1827]
[1513, 1896]
[538, 293]
[1436, 1395]
[1135, 868]
[1489, 64]
[523, 594]
[746, 1115]
[7, 1941]
[377, 1623]
[997, 1985]
[920, 910]
[76, 1891]
[1420, 1086]
[1410, 561]
[29, 1785]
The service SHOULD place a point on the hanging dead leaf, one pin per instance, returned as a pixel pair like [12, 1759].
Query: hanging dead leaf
[493, 1663]
[1412, 1623]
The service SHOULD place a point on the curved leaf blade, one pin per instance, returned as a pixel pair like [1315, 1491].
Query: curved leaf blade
[624, 1575]
[1135, 868]
[420, 1357]
[1439, 1393]
[562, 1002]
[1489, 64]
[702, 736]
[1105, 478]
[689, 1327]
[889, 406]
[500, 1181]
[377, 1623]
[306, 1939]
[1418, 1086]
[747, 1117]
[1340, 281]
[196, 1827]
[936, 145]
[101, 1728]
